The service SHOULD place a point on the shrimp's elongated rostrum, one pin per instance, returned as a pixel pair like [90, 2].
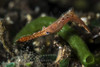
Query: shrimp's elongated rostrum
[56, 26]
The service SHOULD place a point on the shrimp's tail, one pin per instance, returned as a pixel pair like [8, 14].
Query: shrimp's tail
[76, 19]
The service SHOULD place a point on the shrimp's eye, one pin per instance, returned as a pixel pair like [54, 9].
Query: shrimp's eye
[47, 33]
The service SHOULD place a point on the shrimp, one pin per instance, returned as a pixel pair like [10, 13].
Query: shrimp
[56, 26]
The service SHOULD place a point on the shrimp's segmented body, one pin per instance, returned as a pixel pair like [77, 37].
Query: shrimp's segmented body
[56, 26]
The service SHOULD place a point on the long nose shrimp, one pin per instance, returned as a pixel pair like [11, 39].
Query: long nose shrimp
[56, 26]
